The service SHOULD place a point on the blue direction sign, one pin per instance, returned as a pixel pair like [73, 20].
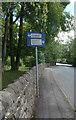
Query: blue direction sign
[35, 39]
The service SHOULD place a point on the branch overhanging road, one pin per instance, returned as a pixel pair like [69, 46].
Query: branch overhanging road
[52, 103]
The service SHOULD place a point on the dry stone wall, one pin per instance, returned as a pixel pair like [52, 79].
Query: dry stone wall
[17, 100]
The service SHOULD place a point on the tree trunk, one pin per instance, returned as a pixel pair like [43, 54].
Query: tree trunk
[4, 41]
[20, 38]
[11, 38]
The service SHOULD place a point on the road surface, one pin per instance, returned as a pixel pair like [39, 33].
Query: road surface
[51, 103]
[64, 76]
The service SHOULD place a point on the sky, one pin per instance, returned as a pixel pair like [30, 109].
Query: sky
[70, 7]
[64, 35]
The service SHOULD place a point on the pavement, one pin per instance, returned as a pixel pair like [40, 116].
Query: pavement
[52, 103]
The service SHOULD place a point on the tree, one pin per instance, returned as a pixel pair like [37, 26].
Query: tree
[11, 37]
[71, 55]
[20, 37]
[8, 11]
[4, 42]
[56, 20]
[41, 17]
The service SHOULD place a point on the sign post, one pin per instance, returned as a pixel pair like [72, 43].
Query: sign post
[36, 39]
[37, 72]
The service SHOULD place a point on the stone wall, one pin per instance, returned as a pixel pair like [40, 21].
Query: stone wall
[17, 100]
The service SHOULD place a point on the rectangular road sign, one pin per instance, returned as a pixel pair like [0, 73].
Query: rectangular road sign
[35, 39]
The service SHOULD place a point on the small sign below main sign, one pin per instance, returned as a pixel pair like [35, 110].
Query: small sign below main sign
[35, 39]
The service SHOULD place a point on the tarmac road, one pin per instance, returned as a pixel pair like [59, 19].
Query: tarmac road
[64, 76]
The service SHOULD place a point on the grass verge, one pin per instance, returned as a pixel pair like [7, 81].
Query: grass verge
[8, 76]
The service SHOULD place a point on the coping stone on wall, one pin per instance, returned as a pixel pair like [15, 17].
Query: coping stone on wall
[23, 82]
[27, 77]
[9, 89]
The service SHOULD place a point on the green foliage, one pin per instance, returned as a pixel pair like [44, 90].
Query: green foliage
[68, 51]
[23, 68]
[41, 57]
[52, 51]
[32, 62]
[53, 19]
[8, 61]
[45, 17]
[7, 67]
[21, 62]
[72, 52]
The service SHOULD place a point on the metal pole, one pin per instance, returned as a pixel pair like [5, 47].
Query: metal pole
[37, 73]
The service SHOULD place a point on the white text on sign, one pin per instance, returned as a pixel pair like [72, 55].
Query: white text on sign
[35, 35]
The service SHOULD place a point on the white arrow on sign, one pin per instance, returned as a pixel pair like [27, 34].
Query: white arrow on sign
[29, 35]
[43, 42]
[35, 35]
